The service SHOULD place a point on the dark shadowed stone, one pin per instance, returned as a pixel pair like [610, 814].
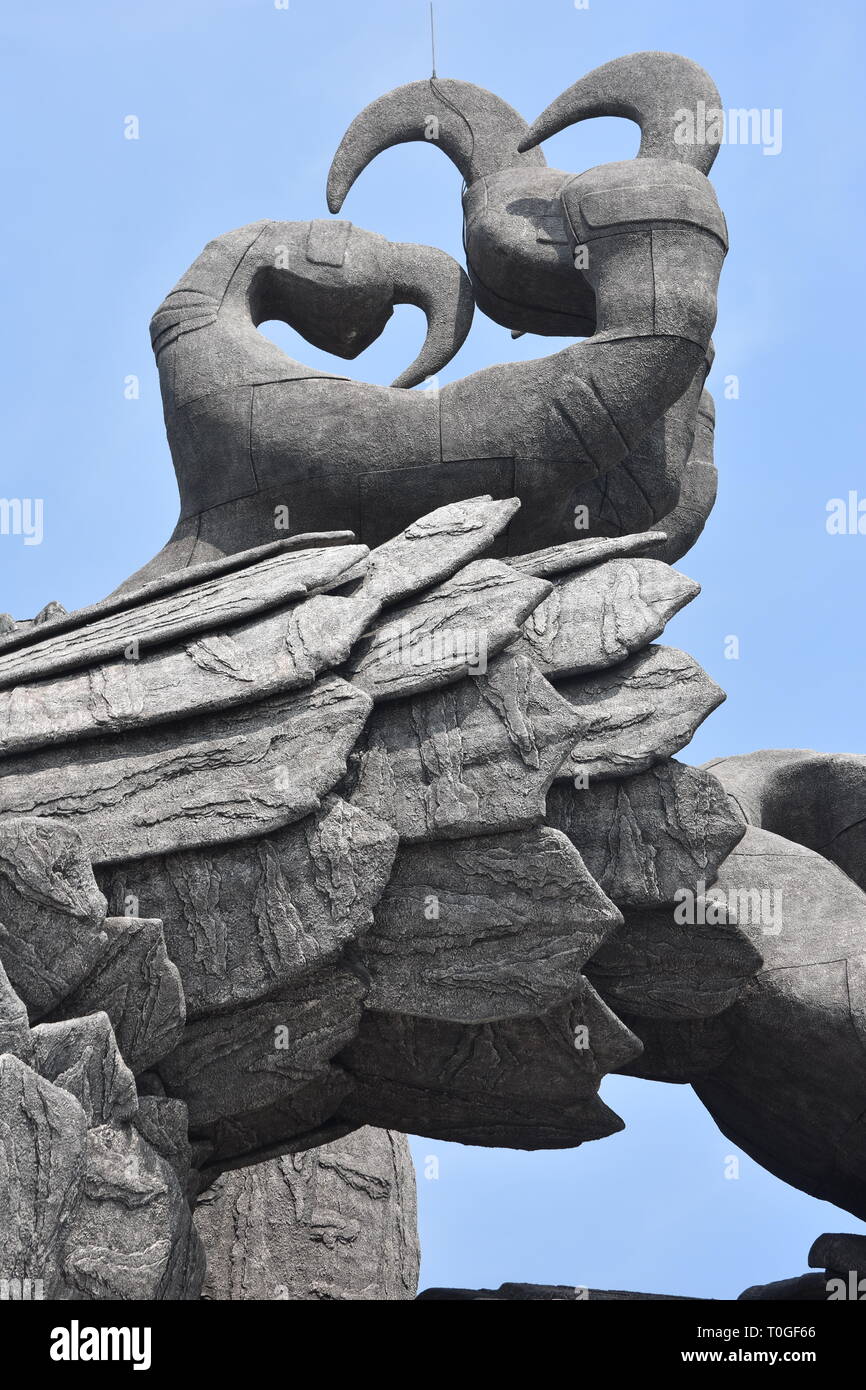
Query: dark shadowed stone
[490, 928]
[243, 920]
[139, 988]
[654, 967]
[815, 799]
[601, 615]
[332, 1224]
[82, 1057]
[301, 1119]
[645, 837]
[476, 758]
[206, 607]
[42, 1155]
[638, 713]
[524, 1084]
[203, 781]
[679, 1050]
[840, 1252]
[131, 1236]
[792, 1092]
[51, 911]
[449, 632]
[229, 1066]
[805, 1288]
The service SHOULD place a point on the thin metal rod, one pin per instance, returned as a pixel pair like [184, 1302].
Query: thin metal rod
[433, 38]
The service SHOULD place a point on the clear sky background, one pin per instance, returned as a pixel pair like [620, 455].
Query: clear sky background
[241, 106]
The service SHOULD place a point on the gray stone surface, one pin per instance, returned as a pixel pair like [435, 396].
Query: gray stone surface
[204, 781]
[599, 616]
[698, 482]
[330, 1225]
[228, 1067]
[82, 1056]
[645, 837]
[42, 1146]
[138, 986]
[451, 631]
[815, 799]
[243, 920]
[333, 914]
[275, 432]
[131, 1235]
[655, 967]
[577, 555]
[638, 713]
[523, 1084]
[51, 911]
[25, 633]
[495, 927]
[474, 759]
[208, 606]
[792, 1091]
[268, 655]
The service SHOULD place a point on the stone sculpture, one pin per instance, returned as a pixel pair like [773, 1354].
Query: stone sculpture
[381, 824]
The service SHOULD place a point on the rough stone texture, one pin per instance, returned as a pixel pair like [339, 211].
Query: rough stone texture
[577, 555]
[51, 911]
[474, 759]
[243, 920]
[839, 1252]
[656, 968]
[525, 1084]
[815, 799]
[131, 1235]
[205, 781]
[268, 655]
[273, 431]
[42, 1147]
[259, 820]
[698, 481]
[332, 1224]
[792, 1091]
[230, 1068]
[599, 616]
[434, 546]
[645, 489]
[645, 837]
[491, 928]
[207, 607]
[83, 1058]
[638, 713]
[449, 632]
[679, 1050]
[14, 1024]
[139, 988]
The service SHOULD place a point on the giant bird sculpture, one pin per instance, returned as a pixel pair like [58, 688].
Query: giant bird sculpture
[379, 822]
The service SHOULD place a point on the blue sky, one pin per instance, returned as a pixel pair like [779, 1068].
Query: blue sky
[241, 106]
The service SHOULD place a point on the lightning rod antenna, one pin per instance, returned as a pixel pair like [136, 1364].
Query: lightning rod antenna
[433, 38]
